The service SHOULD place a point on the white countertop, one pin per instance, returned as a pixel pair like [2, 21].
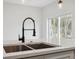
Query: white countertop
[31, 53]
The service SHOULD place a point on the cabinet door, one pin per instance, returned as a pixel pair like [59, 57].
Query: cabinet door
[37, 57]
[61, 55]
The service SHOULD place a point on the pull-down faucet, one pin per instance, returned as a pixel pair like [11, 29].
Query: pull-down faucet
[34, 33]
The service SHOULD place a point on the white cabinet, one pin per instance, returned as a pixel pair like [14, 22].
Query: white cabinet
[58, 55]
[61, 55]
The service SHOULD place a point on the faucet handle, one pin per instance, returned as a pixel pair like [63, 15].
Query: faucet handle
[19, 37]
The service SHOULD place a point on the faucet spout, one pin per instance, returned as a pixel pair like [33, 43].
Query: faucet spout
[23, 29]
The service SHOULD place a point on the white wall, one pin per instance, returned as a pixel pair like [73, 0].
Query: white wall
[52, 10]
[14, 15]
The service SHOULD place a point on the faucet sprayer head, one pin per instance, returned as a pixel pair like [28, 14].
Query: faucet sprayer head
[34, 33]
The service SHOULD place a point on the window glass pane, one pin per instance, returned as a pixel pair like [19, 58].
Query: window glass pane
[62, 27]
[66, 26]
[53, 28]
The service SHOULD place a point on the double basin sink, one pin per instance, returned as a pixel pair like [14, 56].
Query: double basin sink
[26, 47]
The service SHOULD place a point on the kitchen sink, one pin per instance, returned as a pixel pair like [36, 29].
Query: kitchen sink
[16, 48]
[26, 47]
[40, 46]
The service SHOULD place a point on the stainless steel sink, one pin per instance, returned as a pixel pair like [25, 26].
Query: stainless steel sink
[15, 48]
[40, 46]
[26, 47]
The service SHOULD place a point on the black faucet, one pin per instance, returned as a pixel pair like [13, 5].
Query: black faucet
[34, 33]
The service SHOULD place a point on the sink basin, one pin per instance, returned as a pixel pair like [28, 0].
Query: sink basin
[26, 47]
[15, 48]
[40, 46]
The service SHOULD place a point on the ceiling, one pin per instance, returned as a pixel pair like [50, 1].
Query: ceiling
[35, 3]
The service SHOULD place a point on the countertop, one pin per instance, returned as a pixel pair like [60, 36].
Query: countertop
[31, 53]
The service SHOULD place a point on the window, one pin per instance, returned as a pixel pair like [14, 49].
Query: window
[60, 26]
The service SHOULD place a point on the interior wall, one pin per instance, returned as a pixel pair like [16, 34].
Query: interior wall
[14, 15]
[51, 11]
